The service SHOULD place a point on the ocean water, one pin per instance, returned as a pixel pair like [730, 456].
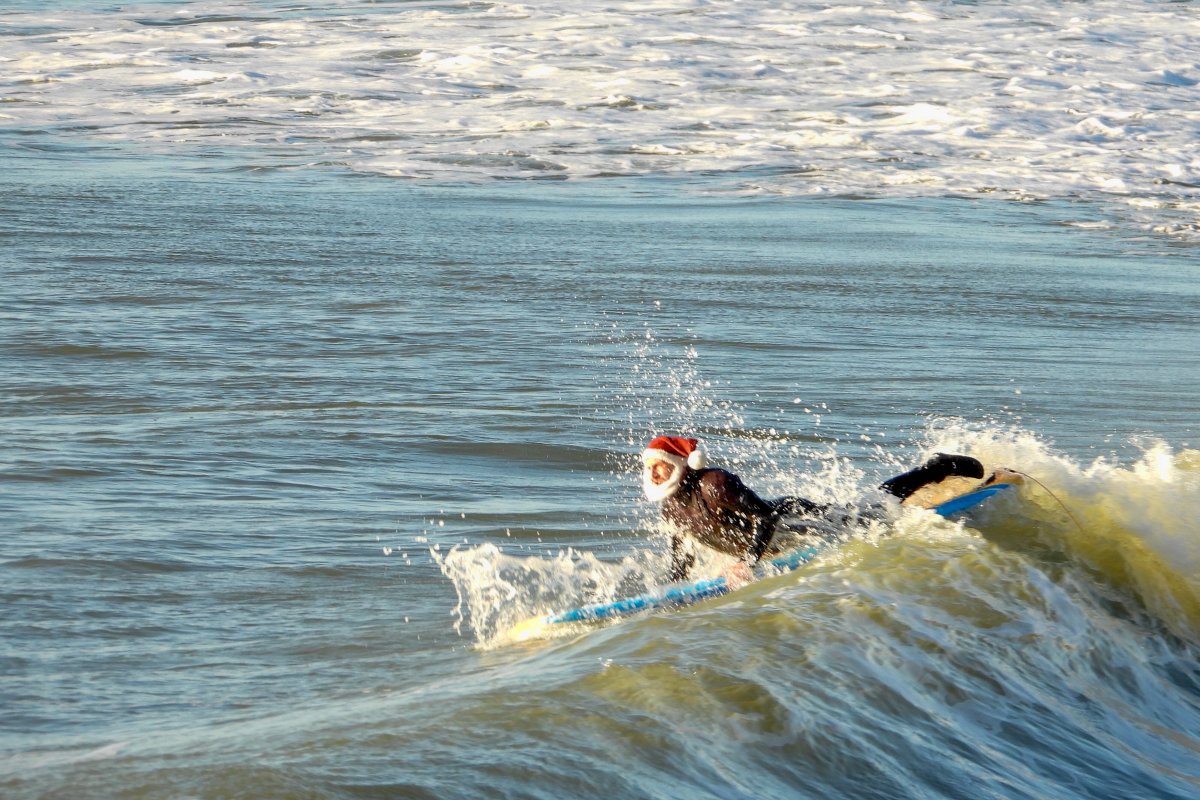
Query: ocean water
[330, 333]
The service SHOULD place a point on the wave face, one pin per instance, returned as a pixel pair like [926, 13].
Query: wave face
[1039, 650]
[1022, 100]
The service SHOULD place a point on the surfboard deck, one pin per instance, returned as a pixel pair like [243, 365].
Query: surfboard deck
[682, 594]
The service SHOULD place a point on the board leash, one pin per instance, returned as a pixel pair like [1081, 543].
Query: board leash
[1057, 499]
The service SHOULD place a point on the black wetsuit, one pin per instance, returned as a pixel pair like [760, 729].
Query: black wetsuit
[715, 508]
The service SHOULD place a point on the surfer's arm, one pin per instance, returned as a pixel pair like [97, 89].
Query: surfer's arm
[681, 559]
[764, 531]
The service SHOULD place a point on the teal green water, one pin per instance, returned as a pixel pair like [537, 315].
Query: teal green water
[239, 411]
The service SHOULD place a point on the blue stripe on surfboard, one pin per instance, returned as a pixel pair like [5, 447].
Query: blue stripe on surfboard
[684, 594]
[970, 499]
[675, 595]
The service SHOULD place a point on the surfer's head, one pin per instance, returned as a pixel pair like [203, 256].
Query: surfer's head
[664, 462]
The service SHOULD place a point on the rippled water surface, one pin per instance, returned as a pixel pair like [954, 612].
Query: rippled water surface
[291, 439]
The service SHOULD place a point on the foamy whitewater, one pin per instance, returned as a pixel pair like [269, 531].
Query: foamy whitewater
[1024, 100]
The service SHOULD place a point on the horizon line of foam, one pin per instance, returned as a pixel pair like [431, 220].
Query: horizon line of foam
[1018, 101]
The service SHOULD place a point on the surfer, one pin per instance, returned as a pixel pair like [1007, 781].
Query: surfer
[713, 507]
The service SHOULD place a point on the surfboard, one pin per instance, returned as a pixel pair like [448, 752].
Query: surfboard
[682, 594]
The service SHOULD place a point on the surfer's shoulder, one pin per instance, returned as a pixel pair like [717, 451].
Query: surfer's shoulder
[717, 481]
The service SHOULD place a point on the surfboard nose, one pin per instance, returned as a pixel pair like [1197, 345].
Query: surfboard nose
[1005, 475]
[531, 628]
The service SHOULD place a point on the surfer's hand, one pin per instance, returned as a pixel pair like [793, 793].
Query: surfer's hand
[738, 575]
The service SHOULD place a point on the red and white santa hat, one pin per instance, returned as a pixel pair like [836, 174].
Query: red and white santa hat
[677, 450]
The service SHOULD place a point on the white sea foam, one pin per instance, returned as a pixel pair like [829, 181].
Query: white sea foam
[496, 591]
[1132, 524]
[1018, 100]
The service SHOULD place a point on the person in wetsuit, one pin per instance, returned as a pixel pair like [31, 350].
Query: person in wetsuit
[716, 509]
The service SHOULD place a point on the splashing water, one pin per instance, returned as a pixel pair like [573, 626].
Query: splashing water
[662, 389]
[1130, 527]
[496, 591]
